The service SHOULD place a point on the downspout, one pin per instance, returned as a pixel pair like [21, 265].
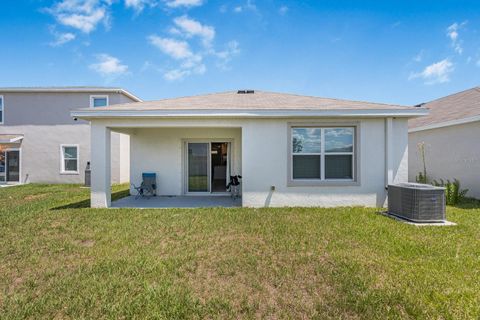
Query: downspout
[388, 151]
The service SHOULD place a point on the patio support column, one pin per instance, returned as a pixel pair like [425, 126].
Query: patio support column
[100, 196]
[388, 151]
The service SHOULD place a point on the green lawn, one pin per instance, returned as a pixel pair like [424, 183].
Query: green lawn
[60, 259]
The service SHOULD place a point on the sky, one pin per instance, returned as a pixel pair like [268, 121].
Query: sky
[402, 52]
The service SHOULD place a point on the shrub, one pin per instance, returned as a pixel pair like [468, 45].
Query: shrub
[453, 192]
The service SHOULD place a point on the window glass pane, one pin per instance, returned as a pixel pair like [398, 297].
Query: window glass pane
[1, 115]
[338, 167]
[99, 102]
[306, 167]
[70, 165]
[70, 152]
[339, 140]
[306, 140]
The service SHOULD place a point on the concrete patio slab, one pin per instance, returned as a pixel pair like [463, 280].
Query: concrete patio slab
[164, 202]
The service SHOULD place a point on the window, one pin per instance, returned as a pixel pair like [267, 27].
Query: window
[69, 155]
[1, 110]
[322, 153]
[98, 101]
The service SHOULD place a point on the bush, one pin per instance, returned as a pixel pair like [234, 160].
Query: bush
[453, 193]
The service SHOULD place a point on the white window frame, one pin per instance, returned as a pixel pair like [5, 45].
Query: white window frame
[93, 97]
[355, 181]
[2, 108]
[62, 159]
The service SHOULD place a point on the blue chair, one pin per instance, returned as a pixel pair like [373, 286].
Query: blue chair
[148, 187]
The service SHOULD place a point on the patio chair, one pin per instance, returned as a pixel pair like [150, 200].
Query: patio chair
[234, 186]
[148, 187]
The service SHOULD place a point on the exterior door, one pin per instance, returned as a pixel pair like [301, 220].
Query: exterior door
[13, 165]
[198, 165]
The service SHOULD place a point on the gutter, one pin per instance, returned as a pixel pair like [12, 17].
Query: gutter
[229, 113]
[445, 124]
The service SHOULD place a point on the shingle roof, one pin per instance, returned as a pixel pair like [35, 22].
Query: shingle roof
[71, 89]
[260, 100]
[457, 106]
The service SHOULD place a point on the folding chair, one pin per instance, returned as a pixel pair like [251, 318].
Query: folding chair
[148, 187]
[234, 186]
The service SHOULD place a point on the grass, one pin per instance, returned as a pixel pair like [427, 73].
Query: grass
[60, 259]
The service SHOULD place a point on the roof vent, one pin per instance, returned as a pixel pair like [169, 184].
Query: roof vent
[245, 91]
[419, 105]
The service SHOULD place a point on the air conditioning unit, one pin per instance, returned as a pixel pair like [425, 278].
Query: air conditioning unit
[417, 202]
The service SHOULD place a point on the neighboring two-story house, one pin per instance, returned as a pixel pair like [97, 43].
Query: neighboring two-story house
[41, 143]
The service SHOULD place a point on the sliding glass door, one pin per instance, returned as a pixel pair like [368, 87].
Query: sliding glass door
[198, 165]
[207, 167]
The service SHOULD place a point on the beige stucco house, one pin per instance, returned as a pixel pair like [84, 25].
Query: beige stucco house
[40, 142]
[291, 150]
[451, 136]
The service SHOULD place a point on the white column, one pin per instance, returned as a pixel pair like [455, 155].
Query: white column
[388, 151]
[100, 161]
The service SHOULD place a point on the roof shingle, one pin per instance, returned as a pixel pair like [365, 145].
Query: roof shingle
[457, 106]
[260, 100]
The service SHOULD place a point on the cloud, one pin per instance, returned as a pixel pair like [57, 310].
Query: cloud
[438, 72]
[184, 3]
[283, 10]
[225, 56]
[83, 15]
[191, 28]
[109, 66]
[419, 56]
[179, 50]
[139, 5]
[61, 38]
[176, 49]
[249, 5]
[452, 33]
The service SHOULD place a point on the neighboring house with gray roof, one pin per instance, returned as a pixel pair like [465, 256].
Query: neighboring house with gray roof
[451, 136]
[40, 142]
[291, 150]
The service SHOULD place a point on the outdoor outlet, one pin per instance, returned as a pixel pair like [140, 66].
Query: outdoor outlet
[272, 188]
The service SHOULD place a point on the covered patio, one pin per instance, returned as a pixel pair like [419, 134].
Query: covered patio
[164, 202]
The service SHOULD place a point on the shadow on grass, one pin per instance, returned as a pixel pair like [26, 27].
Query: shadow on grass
[86, 203]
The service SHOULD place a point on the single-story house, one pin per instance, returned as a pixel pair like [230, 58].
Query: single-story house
[450, 135]
[291, 150]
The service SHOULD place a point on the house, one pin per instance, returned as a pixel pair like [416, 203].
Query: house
[291, 150]
[451, 138]
[40, 142]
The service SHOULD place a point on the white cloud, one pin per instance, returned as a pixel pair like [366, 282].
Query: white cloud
[139, 5]
[62, 38]
[184, 3]
[225, 56]
[419, 56]
[83, 15]
[438, 72]
[452, 33]
[190, 63]
[109, 66]
[249, 5]
[174, 48]
[283, 10]
[192, 27]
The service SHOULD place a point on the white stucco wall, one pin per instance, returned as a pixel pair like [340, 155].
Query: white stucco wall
[261, 157]
[451, 152]
[160, 150]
